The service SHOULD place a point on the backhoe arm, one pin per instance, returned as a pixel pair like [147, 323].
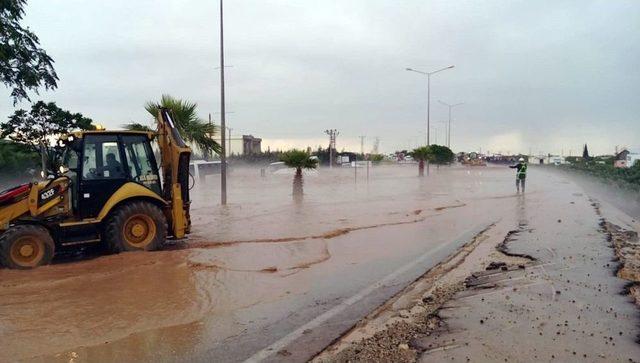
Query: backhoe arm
[175, 156]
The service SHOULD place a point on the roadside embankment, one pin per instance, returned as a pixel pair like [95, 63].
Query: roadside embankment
[627, 250]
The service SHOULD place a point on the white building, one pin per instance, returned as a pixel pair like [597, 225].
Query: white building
[626, 158]
[537, 160]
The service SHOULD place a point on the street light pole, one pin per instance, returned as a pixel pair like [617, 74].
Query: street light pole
[449, 127]
[428, 74]
[436, 130]
[223, 127]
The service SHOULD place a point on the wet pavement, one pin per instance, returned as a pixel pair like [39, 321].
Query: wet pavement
[270, 278]
[568, 306]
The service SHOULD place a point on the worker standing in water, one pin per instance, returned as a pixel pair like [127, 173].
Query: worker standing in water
[521, 173]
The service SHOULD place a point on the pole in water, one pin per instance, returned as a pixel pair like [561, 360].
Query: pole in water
[223, 154]
[355, 170]
[368, 171]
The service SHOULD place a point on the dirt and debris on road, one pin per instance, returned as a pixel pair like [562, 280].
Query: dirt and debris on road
[560, 302]
[398, 330]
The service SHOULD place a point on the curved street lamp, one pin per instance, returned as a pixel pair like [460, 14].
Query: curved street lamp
[428, 74]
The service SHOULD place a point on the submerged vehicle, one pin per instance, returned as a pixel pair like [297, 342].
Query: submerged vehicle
[108, 191]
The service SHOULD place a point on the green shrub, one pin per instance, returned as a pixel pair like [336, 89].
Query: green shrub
[629, 177]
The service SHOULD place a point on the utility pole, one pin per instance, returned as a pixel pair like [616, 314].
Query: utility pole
[332, 144]
[229, 138]
[362, 145]
[376, 145]
[449, 126]
[223, 126]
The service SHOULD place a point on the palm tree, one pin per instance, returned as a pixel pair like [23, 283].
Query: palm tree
[299, 160]
[193, 129]
[441, 155]
[421, 154]
[135, 126]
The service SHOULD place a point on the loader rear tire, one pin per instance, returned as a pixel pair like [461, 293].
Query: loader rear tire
[136, 226]
[26, 246]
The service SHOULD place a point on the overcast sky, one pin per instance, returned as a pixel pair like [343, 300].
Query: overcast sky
[533, 75]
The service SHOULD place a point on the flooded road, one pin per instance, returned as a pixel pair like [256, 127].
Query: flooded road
[266, 277]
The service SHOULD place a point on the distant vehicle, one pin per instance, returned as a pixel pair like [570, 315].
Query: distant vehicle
[199, 169]
[475, 162]
[557, 160]
[406, 159]
[279, 168]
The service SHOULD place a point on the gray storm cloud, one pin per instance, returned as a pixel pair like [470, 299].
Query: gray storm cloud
[546, 75]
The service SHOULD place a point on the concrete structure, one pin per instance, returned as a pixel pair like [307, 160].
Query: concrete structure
[251, 145]
[540, 160]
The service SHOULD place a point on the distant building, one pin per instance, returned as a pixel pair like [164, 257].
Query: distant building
[626, 159]
[251, 145]
[540, 159]
[345, 158]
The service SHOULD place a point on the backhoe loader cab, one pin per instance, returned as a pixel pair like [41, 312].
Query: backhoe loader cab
[109, 190]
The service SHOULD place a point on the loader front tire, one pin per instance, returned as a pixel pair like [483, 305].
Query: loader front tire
[136, 226]
[26, 246]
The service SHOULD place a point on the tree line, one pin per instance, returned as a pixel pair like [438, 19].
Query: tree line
[26, 68]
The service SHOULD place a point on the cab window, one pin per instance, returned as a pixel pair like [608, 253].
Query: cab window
[71, 159]
[102, 158]
[141, 162]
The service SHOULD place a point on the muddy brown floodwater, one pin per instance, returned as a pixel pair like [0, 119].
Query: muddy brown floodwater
[265, 277]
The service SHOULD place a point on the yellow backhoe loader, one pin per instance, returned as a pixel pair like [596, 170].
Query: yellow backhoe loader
[108, 191]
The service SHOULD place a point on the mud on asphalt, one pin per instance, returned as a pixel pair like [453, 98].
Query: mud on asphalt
[409, 334]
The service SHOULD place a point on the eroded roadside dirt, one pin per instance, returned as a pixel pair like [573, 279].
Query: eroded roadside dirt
[626, 246]
[627, 249]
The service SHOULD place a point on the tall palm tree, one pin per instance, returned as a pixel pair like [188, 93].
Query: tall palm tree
[421, 154]
[299, 160]
[193, 129]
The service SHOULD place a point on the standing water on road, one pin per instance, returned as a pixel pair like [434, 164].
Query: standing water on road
[261, 267]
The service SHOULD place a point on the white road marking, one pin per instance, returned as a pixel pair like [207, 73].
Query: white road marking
[320, 319]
